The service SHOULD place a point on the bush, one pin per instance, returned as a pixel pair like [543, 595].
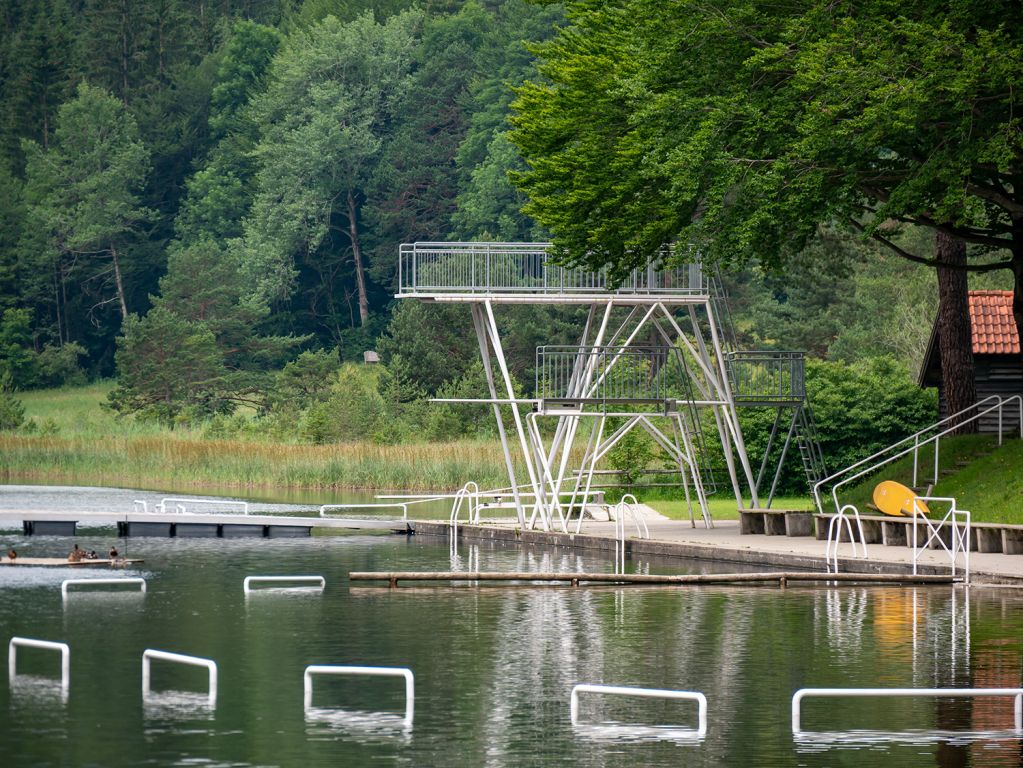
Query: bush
[12, 412]
[859, 409]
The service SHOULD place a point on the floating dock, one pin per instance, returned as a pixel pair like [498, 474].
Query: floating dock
[782, 578]
[191, 525]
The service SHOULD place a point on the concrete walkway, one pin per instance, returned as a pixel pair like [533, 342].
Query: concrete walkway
[724, 543]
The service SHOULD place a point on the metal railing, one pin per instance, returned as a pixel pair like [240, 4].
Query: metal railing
[621, 374]
[913, 443]
[526, 268]
[179, 658]
[797, 698]
[403, 506]
[623, 507]
[49, 645]
[766, 376]
[835, 536]
[332, 669]
[309, 582]
[181, 505]
[469, 495]
[101, 582]
[652, 693]
[956, 521]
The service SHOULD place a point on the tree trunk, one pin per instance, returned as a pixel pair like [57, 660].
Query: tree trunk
[360, 276]
[119, 282]
[955, 342]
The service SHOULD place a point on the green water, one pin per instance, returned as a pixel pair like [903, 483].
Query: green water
[494, 666]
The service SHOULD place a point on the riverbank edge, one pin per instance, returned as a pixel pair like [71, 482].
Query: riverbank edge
[512, 537]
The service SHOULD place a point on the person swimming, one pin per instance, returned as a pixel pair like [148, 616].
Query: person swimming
[113, 553]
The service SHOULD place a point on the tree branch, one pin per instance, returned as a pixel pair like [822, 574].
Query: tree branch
[928, 262]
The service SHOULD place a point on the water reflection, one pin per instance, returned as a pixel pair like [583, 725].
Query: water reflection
[323, 723]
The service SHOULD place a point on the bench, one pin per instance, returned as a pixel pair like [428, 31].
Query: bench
[898, 532]
[776, 522]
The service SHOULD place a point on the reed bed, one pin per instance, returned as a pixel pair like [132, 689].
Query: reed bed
[180, 461]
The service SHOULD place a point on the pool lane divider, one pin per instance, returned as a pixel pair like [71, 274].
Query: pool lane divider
[782, 578]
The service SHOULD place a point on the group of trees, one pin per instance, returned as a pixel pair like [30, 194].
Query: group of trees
[192, 193]
[740, 127]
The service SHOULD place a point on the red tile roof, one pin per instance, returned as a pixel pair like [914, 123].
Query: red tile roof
[994, 328]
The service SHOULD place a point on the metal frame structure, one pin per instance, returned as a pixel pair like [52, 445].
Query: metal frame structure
[676, 306]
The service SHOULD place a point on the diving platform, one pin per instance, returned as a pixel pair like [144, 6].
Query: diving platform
[191, 525]
[522, 273]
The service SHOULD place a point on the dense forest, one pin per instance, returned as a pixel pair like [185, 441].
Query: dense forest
[203, 201]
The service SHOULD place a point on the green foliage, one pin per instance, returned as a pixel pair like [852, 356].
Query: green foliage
[738, 128]
[12, 411]
[352, 411]
[17, 361]
[859, 409]
[166, 363]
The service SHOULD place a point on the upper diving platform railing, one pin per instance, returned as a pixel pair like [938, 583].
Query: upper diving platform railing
[615, 374]
[431, 269]
[766, 377]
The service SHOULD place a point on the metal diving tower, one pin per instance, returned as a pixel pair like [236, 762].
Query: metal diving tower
[651, 355]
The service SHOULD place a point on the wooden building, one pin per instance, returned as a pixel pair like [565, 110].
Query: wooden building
[998, 364]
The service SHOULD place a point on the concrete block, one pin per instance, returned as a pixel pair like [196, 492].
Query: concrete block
[799, 524]
[1012, 541]
[985, 539]
[751, 522]
[148, 529]
[288, 531]
[774, 523]
[240, 531]
[893, 534]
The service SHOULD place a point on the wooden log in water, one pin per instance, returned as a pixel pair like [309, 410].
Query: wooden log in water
[575, 579]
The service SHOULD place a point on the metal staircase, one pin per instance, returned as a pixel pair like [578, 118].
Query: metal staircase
[809, 445]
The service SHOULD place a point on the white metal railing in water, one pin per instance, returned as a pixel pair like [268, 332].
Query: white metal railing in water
[335, 669]
[179, 658]
[49, 645]
[403, 506]
[642, 530]
[180, 505]
[956, 521]
[101, 583]
[306, 582]
[803, 693]
[468, 494]
[502, 268]
[913, 444]
[835, 536]
[652, 693]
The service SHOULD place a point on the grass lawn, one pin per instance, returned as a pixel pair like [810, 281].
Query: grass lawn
[721, 507]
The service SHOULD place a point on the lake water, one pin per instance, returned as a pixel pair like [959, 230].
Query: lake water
[494, 666]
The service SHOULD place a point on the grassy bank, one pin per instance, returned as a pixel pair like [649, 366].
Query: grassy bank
[73, 439]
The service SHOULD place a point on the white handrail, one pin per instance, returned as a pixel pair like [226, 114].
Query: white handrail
[181, 503]
[402, 505]
[803, 693]
[655, 693]
[28, 642]
[92, 582]
[469, 493]
[319, 582]
[960, 535]
[336, 669]
[179, 658]
[641, 528]
[835, 536]
[141, 503]
[998, 405]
